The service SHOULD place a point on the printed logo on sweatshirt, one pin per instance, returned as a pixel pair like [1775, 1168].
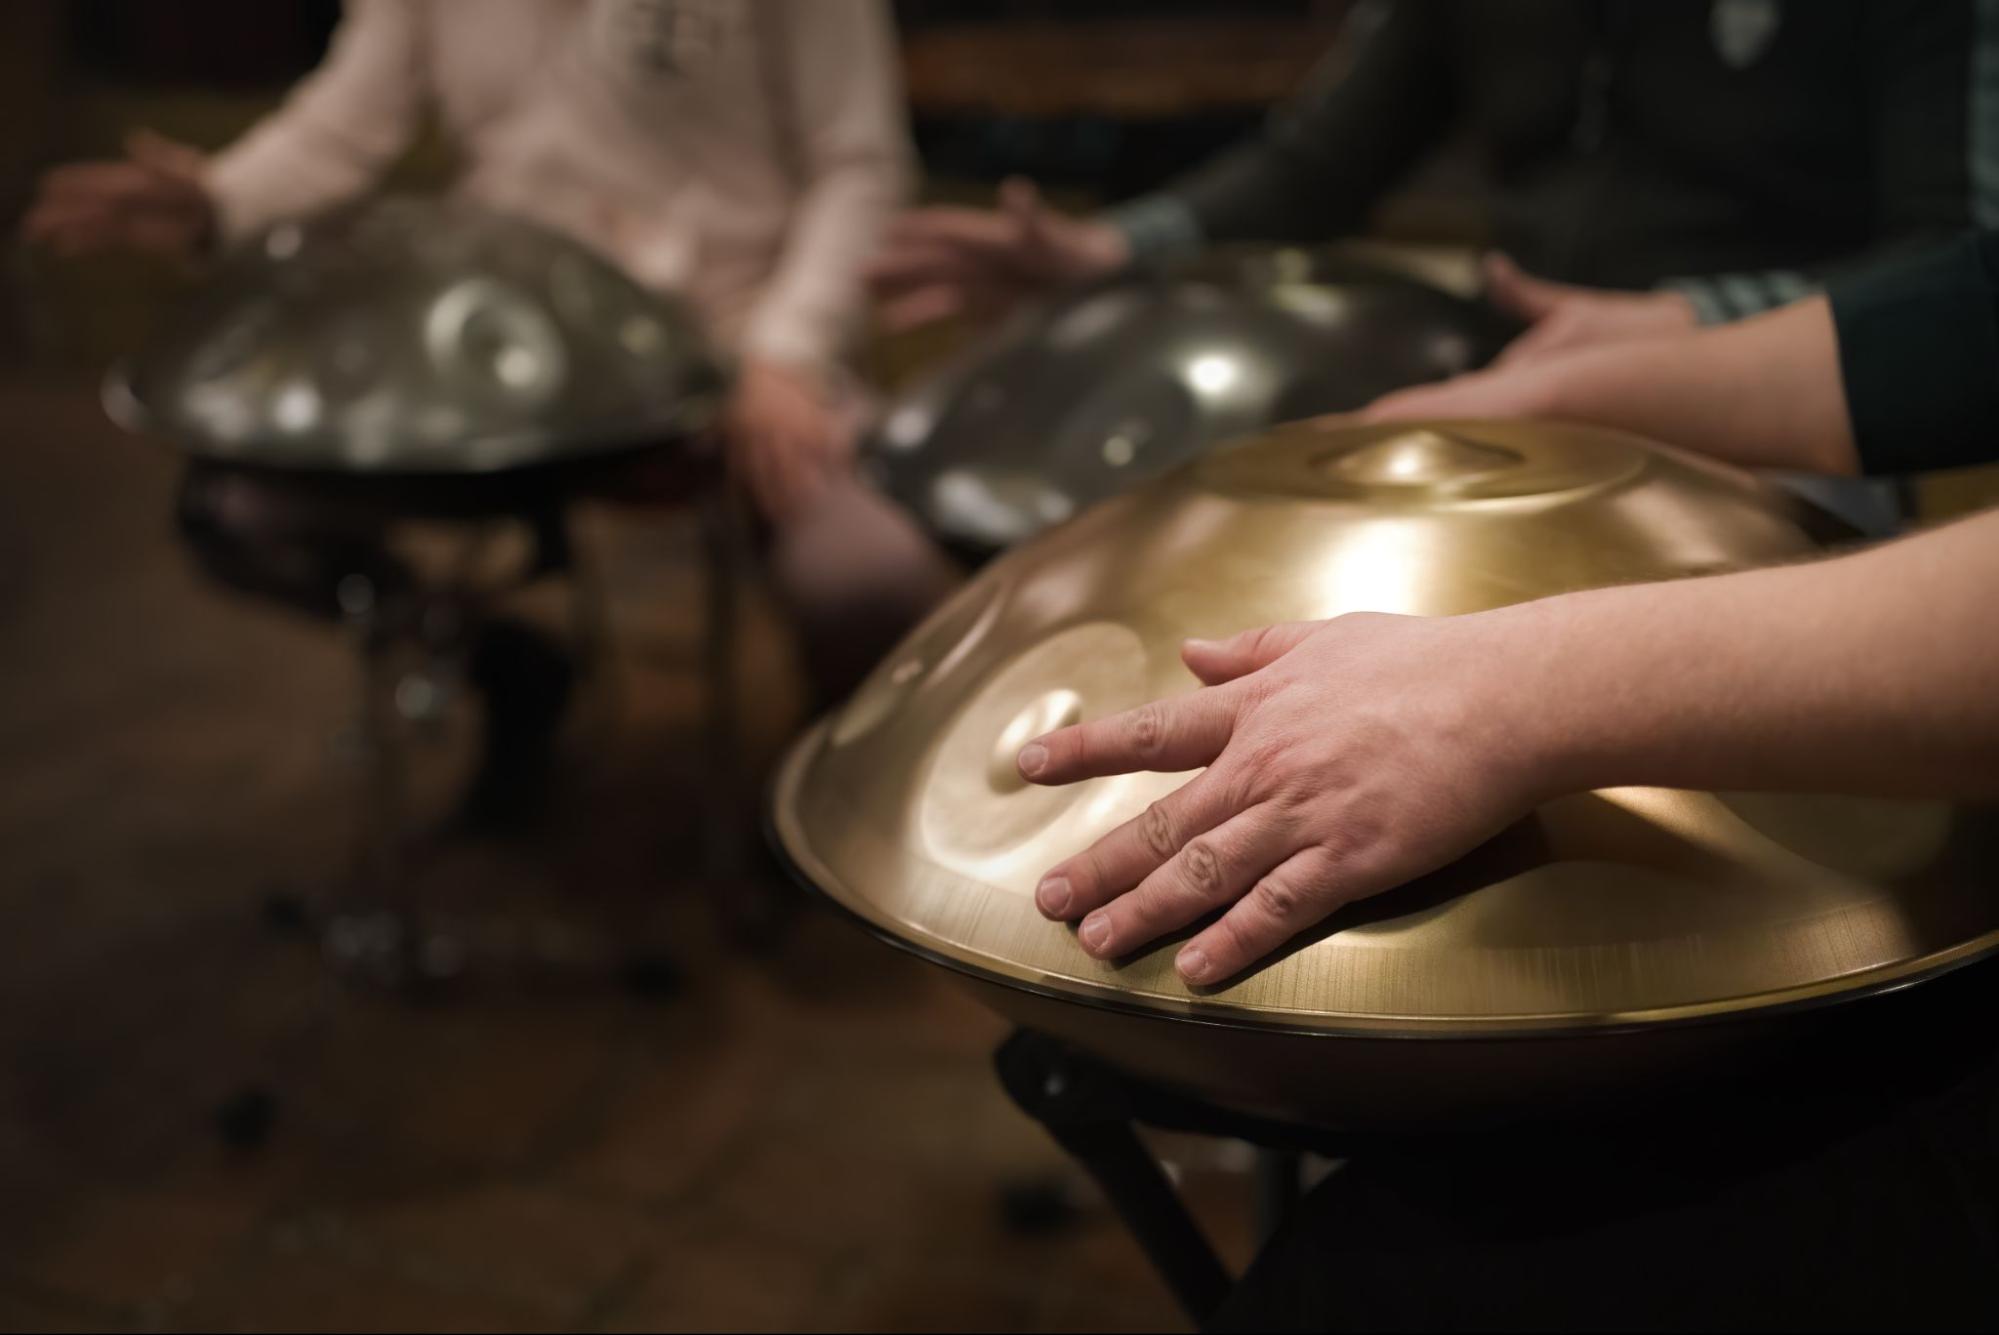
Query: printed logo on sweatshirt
[1744, 29]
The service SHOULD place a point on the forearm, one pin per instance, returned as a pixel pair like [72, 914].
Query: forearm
[1365, 117]
[812, 306]
[337, 132]
[1865, 674]
[851, 142]
[1764, 393]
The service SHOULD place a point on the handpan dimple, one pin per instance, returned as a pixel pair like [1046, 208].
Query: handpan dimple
[975, 813]
[951, 633]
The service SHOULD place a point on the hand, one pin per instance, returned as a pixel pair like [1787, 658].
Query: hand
[1530, 389]
[1563, 317]
[153, 200]
[1343, 757]
[784, 435]
[940, 262]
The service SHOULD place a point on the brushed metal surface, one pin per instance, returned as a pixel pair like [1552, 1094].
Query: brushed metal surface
[1607, 911]
[1107, 388]
[417, 336]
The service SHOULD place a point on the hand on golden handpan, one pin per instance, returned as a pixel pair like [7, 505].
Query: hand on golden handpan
[941, 262]
[1562, 317]
[151, 200]
[1342, 757]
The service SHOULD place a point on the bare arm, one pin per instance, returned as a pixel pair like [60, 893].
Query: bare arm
[1764, 392]
[1869, 673]
[1343, 758]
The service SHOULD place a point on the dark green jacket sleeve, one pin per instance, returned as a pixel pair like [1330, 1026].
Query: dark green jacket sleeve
[1365, 117]
[1918, 61]
[1919, 354]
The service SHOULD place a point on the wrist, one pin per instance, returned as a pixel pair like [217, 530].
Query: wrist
[1675, 310]
[1551, 688]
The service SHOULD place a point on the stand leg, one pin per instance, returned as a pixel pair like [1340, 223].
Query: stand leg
[1083, 1109]
[376, 938]
[721, 735]
[1279, 1176]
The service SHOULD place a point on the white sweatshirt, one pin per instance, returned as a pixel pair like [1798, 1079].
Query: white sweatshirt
[743, 152]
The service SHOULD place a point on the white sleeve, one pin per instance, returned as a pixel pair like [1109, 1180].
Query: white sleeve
[338, 131]
[842, 71]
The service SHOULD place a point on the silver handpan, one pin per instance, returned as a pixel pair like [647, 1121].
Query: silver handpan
[1080, 400]
[411, 336]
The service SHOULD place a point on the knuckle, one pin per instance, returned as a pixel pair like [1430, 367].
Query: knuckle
[1155, 828]
[1264, 757]
[1146, 729]
[1243, 786]
[1277, 899]
[1202, 869]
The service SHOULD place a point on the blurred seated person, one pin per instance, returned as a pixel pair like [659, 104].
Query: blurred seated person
[742, 153]
[1714, 157]
[1380, 747]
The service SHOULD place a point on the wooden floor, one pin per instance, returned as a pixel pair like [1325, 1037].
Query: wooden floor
[809, 1137]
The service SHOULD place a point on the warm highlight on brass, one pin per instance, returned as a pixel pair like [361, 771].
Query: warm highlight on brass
[1629, 911]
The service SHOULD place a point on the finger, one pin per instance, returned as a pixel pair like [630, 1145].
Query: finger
[1402, 405]
[151, 149]
[1166, 736]
[1134, 850]
[1212, 870]
[912, 266]
[925, 306]
[1020, 202]
[48, 218]
[1513, 289]
[1547, 337]
[980, 230]
[96, 181]
[1218, 661]
[1293, 895]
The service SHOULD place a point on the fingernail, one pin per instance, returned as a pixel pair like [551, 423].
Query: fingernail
[1096, 930]
[1033, 759]
[1193, 964]
[1053, 896]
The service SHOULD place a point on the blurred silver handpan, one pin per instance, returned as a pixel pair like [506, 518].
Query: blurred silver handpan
[1085, 398]
[411, 336]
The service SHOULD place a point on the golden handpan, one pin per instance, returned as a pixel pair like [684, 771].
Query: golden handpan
[1612, 937]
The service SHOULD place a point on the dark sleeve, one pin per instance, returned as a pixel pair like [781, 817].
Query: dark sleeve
[1364, 118]
[1920, 61]
[1923, 57]
[1919, 355]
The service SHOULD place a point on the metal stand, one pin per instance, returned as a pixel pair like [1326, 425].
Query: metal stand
[746, 903]
[1094, 1112]
[722, 545]
[1086, 1110]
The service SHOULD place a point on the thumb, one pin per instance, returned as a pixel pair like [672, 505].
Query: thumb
[1217, 661]
[167, 156]
[1518, 292]
[1020, 202]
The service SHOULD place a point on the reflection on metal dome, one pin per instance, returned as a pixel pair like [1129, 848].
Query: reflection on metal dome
[1104, 389]
[419, 336]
